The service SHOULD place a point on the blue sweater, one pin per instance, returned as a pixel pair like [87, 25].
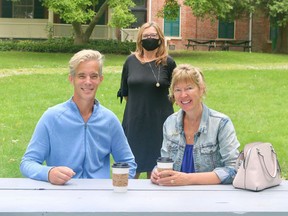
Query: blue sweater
[62, 138]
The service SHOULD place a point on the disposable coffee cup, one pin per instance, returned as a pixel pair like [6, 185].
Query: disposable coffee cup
[120, 173]
[164, 163]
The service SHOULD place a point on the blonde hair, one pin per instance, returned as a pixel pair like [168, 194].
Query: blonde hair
[85, 55]
[161, 55]
[189, 74]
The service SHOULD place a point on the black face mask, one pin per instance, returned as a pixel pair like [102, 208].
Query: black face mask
[150, 44]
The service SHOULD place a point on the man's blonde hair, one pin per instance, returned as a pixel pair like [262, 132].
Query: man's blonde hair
[85, 55]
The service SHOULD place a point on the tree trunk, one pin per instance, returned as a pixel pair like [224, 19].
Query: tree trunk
[92, 24]
[83, 37]
[79, 39]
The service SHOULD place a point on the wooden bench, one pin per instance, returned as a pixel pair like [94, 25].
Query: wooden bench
[224, 44]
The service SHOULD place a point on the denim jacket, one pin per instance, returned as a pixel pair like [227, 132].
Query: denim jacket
[215, 144]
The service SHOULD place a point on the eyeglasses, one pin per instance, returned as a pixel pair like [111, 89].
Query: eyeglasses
[145, 36]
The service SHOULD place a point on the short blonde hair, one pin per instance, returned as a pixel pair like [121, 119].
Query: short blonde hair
[189, 74]
[85, 55]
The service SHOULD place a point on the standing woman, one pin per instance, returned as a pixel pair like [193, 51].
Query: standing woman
[146, 78]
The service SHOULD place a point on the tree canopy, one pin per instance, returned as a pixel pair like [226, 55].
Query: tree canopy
[79, 12]
[231, 9]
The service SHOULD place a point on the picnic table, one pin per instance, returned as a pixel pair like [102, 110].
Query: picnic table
[22, 196]
[245, 44]
[209, 43]
[223, 44]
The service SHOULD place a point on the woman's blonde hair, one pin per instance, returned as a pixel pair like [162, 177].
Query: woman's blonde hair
[189, 74]
[161, 55]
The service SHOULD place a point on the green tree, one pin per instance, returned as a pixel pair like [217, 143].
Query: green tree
[276, 10]
[232, 9]
[79, 12]
[225, 9]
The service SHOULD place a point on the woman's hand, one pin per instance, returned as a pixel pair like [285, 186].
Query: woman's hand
[172, 178]
[169, 178]
[154, 176]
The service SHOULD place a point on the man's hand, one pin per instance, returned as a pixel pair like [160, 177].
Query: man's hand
[60, 175]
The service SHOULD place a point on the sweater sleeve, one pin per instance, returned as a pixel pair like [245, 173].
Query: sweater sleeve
[32, 162]
[121, 151]
[124, 79]
[229, 145]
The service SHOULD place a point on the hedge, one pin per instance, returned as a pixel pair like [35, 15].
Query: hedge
[65, 45]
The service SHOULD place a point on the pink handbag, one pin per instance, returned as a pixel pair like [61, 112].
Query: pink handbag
[258, 167]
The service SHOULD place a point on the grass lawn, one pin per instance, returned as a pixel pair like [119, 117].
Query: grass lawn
[251, 88]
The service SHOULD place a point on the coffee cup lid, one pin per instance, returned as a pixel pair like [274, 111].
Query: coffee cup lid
[165, 160]
[120, 165]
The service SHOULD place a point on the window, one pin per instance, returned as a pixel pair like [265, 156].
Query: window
[140, 12]
[273, 32]
[139, 3]
[6, 9]
[226, 29]
[172, 27]
[23, 9]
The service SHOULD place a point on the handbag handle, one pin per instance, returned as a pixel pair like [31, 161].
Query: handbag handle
[275, 162]
[239, 160]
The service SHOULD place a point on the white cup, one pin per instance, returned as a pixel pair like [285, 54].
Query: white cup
[120, 174]
[164, 163]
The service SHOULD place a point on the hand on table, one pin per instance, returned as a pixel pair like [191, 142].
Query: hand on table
[60, 175]
[169, 178]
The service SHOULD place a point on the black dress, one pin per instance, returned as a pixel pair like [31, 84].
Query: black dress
[146, 109]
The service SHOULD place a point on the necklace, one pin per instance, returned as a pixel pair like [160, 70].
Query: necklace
[191, 128]
[157, 79]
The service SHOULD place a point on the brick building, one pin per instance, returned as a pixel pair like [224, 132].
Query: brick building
[29, 19]
[255, 28]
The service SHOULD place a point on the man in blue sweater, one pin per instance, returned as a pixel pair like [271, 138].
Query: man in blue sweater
[76, 138]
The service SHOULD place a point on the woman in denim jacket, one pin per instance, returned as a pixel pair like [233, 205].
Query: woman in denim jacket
[202, 142]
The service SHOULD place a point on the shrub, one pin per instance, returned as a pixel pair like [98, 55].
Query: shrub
[65, 45]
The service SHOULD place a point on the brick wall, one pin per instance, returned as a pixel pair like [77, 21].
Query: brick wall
[191, 27]
[261, 33]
